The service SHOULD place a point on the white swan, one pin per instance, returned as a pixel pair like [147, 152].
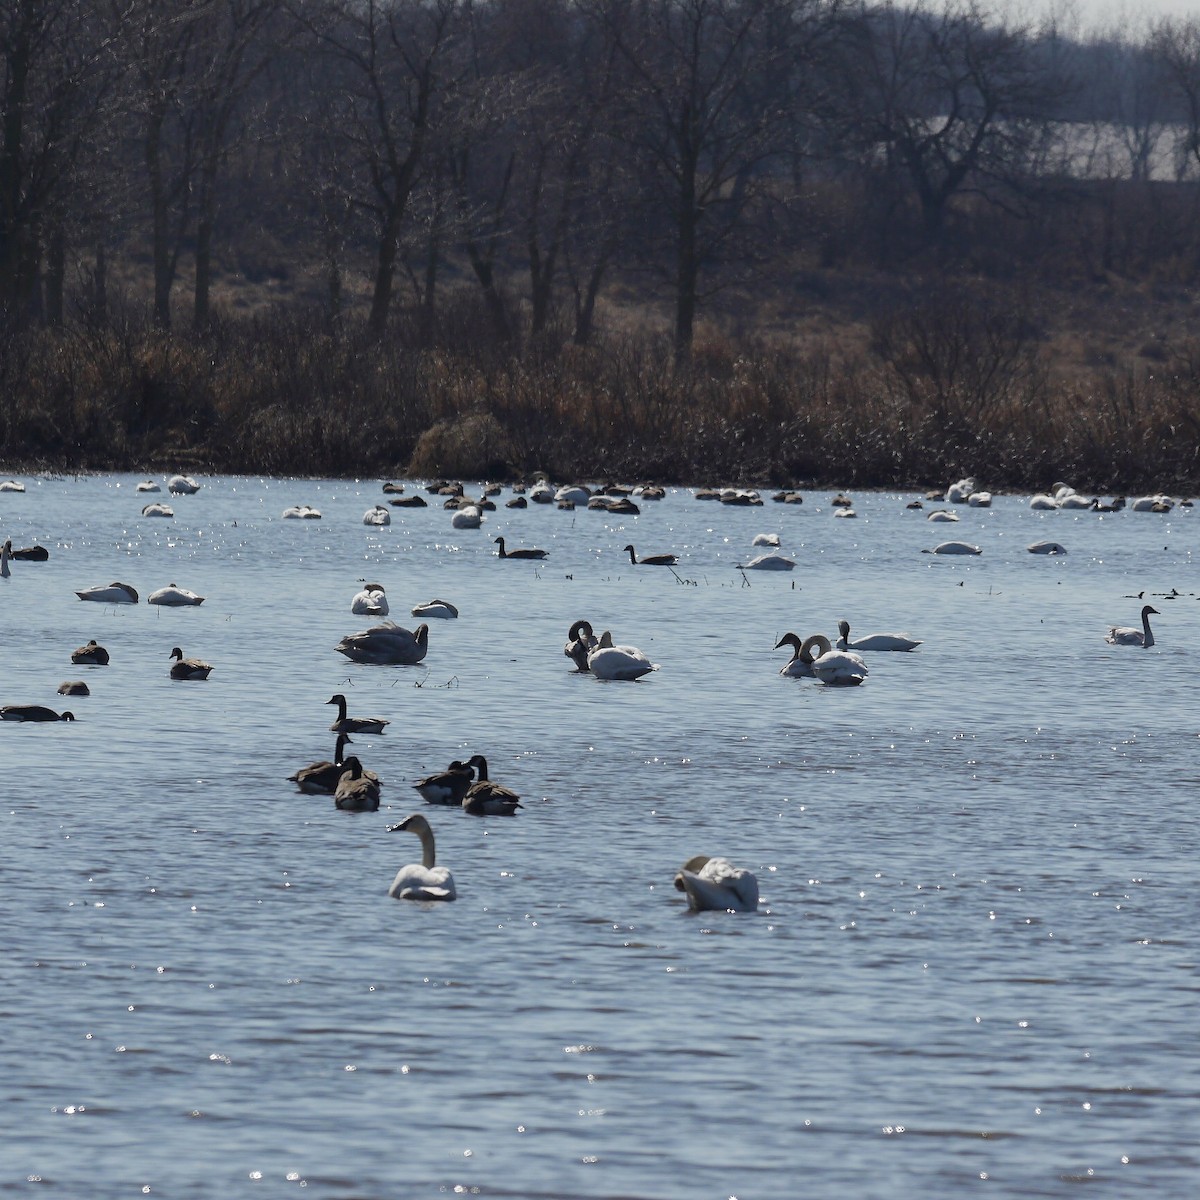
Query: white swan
[174, 596]
[158, 510]
[426, 881]
[958, 493]
[441, 609]
[607, 661]
[942, 514]
[1043, 501]
[1074, 500]
[716, 884]
[345, 724]
[115, 593]
[765, 539]
[873, 641]
[301, 512]
[767, 562]
[148, 485]
[980, 500]
[182, 485]
[377, 516]
[1157, 503]
[840, 668]
[954, 548]
[1046, 548]
[573, 494]
[1120, 635]
[370, 602]
[467, 518]
[11, 485]
[800, 665]
[388, 644]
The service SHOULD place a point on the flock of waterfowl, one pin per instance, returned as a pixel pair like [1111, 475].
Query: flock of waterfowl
[708, 882]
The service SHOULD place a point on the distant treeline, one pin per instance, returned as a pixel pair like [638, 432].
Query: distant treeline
[441, 207]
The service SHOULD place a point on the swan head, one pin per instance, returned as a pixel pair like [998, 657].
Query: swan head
[578, 629]
[844, 629]
[1148, 609]
[789, 639]
[420, 826]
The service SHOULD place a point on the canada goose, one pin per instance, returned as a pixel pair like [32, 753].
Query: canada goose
[440, 609]
[448, 786]
[413, 501]
[31, 554]
[174, 596]
[377, 516]
[652, 560]
[485, 797]
[74, 687]
[767, 562]
[321, 778]
[716, 884]
[345, 724]
[5, 555]
[800, 665]
[356, 791]
[388, 644]
[32, 712]
[188, 668]
[115, 593]
[521, 553]
[393, 489]
[607, 661]
[581, 641]
[90, 655]
[370, 602]
[426, 881]
[873, 641]
[1124, 636]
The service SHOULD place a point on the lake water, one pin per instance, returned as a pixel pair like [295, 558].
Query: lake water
[973, 970]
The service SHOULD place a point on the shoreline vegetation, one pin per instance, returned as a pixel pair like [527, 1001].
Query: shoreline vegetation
[958, 384]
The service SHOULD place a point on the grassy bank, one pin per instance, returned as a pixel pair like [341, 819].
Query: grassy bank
[937, 387]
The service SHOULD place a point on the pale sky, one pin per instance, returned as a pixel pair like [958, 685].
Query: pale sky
[1102, 14]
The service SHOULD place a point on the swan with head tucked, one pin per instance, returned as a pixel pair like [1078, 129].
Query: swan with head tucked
[345, 724]
[158, 510]
[442, 610]
[581, 641]
[357, 790]
[873, 641]
[485, 797]
[767, 562]
[388, 644]
[424, 881]
[800, 665]
[115, 593]
[377, 516]
[840, 668]
[448, 786]
[607, 661]
[370, 602]
[182, 485]
[174, 596]
[715, 884]
[652, 560]
[1123, 635]
[188, 668]
[32, 712]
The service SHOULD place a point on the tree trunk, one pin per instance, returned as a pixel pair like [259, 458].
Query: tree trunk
[56, 275]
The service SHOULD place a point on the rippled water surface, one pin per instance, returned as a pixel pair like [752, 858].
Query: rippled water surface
[974, 968]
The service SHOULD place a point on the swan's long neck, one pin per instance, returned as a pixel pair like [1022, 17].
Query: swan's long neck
[817, 641]
[428, 852]
[1147, 636]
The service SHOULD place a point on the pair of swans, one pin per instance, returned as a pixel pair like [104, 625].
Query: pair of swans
[388, 644]
[815, 658]
[602, 657]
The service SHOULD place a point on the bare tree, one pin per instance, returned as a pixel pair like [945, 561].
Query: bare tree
[1175, 44]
